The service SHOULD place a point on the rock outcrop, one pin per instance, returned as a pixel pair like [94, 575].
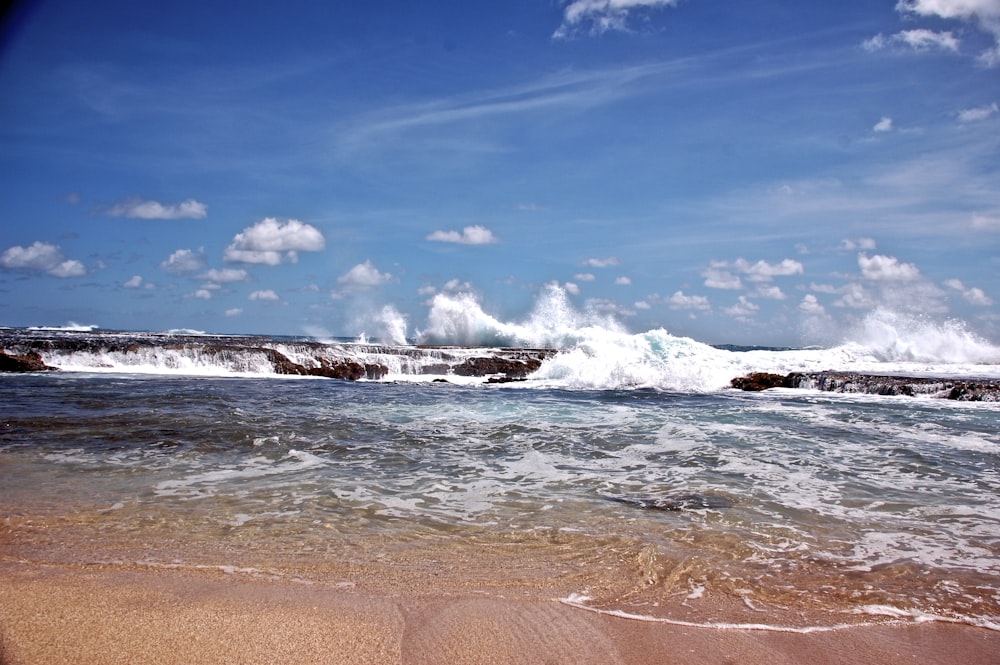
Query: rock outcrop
[987, 390]
[29, 362]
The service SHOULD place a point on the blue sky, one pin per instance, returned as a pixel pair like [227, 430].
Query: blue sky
[746, 172]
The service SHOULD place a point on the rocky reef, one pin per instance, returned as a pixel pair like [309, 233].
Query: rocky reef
[966, 390]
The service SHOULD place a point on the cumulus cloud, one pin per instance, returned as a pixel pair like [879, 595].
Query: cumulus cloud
[585, 276]
[810, 305]
[978, 113]
[270, 242]
[743, 309]
[771, 291]
[364, 275]
[138, 208]
[602, 263]
[718, 277]
[973, 295]
[883, 125]
[572, 288]
[202, 294]
[981, 14]
[599, 16]
[41, 257]
[470, 235]
[185, 261]
[882, 268]
[266, 295]
[726, 275]
[886, 281]
[226, 275]
[234, 311]
[681, 301]
[623, 281]
[642, 304]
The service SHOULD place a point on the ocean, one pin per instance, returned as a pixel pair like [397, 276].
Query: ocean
[618, 473]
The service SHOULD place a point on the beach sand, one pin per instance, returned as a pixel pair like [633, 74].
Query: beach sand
[95, 615]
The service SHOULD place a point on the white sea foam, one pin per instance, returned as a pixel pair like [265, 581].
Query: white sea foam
[597, 352]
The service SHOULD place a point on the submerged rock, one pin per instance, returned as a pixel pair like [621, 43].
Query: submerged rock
[676, 502]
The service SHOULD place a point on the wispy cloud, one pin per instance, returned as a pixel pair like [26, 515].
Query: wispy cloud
[139, 208]
[981, 15]
[470, 235]
[595, 17]
[978, 113]
[566, 89]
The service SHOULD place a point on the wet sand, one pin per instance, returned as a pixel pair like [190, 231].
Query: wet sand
[66, 614]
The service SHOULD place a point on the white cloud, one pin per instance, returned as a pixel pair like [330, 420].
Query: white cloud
[235, 311]
[602, 263]
[600, 16]
[226, 275]
[917, 40]
[855, 297]
[184, 261]
[270, 242]
[743, 309]
[986, 222]
[266, 295]
[41, 257]
[762, 271]
[134, 283]
[138, 208]
[456, 284]
[883, 125]
[856, 244]
[810, 305]
[203, 294]
[984, 14]
[572, 288]
[771, 291]
[364, 275]
[723, 274]
[642, 304]
[623, 281]
[585, 276]
[470, 235]
[716, 277]
[681, 301]
[973, 295]
[882, 268]
[978, 113]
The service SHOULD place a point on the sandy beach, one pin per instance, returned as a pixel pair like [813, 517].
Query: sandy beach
[59, 614]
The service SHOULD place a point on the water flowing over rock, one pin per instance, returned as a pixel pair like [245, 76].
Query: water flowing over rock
[220, 354]
[986, 390]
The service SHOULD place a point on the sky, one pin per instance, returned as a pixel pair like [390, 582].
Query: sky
[765, 172]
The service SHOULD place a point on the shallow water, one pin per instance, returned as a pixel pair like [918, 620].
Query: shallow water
[642, 500]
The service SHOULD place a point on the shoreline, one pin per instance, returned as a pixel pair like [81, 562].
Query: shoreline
[108, 615]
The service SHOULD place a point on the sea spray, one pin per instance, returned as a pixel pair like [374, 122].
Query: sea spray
[891, 336]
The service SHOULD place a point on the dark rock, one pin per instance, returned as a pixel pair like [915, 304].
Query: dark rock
[511, 367]
[29, 362]
[676, 502]
[760, 381]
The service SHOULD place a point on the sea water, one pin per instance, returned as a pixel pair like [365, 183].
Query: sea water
[623, 472]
